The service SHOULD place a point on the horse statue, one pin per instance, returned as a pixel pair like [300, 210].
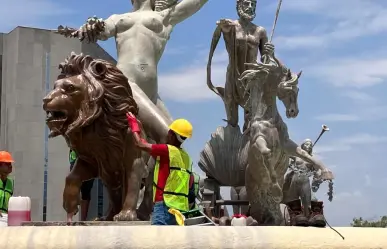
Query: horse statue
[269, 143]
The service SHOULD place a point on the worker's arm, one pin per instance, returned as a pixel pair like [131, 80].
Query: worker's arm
[156, 150]
[141, 143]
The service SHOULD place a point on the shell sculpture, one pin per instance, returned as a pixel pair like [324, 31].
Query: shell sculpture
[161, 5]
[224, 157]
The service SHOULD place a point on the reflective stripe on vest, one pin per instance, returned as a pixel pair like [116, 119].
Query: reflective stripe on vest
[196, 183]
[72, 156]
[5, 193]
[176, 189]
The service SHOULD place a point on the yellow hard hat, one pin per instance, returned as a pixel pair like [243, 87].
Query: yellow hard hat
[182, 127]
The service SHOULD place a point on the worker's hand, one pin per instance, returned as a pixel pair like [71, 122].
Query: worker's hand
[132, 122]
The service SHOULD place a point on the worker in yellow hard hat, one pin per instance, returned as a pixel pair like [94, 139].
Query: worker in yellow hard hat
[172, 172]
[6, 183]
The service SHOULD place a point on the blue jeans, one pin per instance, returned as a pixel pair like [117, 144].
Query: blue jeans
[161, 216]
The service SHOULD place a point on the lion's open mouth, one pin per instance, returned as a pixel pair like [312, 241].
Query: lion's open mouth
[53, 116]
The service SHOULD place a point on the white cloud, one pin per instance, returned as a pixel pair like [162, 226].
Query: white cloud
[350, 19]
[189, 83]
[367, 180]
[348, 143]
[337, 117]
[353, 76]
[363, 113]
[359, 97]
[24, 12]
[342, 196]
[358, 72]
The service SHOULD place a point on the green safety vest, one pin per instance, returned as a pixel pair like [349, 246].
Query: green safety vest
[72, 157]
[5, 193]
[196, 189]
[176, 189]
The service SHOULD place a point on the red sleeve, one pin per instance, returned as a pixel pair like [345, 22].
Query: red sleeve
[159, 150]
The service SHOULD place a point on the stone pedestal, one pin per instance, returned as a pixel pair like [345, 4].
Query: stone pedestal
[86, 223]
[190, 237]
[211, 193]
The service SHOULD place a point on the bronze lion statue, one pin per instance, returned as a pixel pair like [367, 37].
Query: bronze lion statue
[87, 107]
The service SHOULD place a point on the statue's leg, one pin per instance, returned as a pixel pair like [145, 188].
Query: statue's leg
[247, 119]
[243, 197]
[81, 172]
[153, 119]
[115, 203]
[263, 207]
[234, 196]
[160, 104]
[263, 155]
[239, 193]
[287, 194]
[146, 206]
[306, 194]
[133, 182]
[230, 104]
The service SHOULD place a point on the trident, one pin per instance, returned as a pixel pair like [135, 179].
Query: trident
[275, 20]
[323, 130]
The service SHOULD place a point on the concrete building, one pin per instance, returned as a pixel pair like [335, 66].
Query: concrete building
[28, 57]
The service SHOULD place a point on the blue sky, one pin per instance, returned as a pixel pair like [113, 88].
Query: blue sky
[339, 45]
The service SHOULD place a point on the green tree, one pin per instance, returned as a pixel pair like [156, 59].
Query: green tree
[360, 222]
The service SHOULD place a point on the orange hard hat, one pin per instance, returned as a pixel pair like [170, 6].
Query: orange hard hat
[5, 157]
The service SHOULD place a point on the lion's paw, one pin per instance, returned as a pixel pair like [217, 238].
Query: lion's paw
[126, 215]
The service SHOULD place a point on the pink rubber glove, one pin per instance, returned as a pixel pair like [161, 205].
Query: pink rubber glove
[132, 122]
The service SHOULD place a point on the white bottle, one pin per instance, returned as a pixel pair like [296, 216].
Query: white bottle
[238, 220]
[19, 210]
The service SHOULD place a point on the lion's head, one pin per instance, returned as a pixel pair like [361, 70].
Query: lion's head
[87, 91]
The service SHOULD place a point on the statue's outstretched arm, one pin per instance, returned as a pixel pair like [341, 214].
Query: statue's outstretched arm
[93, 30]
[292, 149]
[215, 40]
[110, 29]
[185, 9]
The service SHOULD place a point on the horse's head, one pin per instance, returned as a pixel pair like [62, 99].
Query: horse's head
[287, 92]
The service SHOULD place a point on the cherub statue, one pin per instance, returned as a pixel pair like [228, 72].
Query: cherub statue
[297, 189]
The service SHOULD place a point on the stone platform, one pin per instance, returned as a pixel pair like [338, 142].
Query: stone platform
[85, 223]
[171, 237]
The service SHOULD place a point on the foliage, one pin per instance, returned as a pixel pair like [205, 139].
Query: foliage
[360, 222]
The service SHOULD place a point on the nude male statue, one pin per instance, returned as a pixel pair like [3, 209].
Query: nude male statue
[297, 189]
[243, 40]
[141, 36]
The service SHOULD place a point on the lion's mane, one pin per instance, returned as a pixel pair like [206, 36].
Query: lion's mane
[108, 99]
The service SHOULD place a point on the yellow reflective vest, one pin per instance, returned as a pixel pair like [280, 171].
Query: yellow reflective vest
[176, 189]
[6, 191]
